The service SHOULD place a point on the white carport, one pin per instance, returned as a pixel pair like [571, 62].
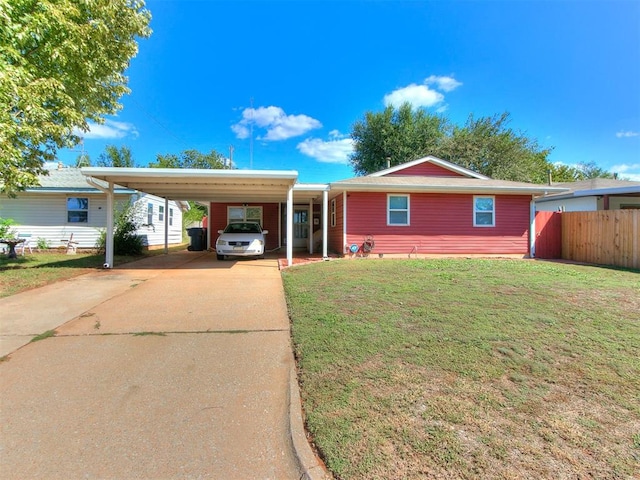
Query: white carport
[208, 186]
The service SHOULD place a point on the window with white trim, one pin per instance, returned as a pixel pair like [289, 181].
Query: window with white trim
[397, 209]
[333, 212]
[161, 213]
[149, 213]
[244, 214]
[77, 210]
[171, 217]
[484, 211]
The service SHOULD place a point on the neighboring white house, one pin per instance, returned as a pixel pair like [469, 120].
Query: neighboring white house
[592, 195]
[66, 204]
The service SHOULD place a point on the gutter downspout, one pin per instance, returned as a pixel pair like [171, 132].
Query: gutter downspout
[108, 260]
[532, 228]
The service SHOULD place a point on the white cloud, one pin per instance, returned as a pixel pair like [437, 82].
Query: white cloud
[108, 130]
[278, 125]
[423, 95]
[416, 95]
[627, 171]
[446, 84]
[336, 150]
[627, 134]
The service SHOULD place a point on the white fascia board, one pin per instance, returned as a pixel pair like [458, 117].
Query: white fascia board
[104, 172]
[607, 191]
[311, 187]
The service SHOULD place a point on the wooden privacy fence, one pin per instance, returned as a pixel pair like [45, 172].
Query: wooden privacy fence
[606, 237]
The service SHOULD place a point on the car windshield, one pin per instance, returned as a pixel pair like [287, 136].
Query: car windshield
[243, 228]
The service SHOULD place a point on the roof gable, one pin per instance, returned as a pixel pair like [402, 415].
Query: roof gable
[429, 166]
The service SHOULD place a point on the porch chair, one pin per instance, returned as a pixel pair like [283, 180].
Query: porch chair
[70, 244]
[21, 247]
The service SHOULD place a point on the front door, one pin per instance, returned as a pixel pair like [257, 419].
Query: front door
[301, 227]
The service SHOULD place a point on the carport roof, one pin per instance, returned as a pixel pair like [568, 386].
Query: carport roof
[200, 184]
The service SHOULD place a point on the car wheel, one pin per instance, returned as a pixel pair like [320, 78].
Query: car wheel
[219, 257]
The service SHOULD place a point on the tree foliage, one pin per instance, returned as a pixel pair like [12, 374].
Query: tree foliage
[189, 159]
[61, 64]
[116, 157]
[398, 135]
[486, 145]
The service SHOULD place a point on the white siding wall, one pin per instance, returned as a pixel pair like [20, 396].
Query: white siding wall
[44, 215]
[585, 204]
[580, 204]
[154, 234]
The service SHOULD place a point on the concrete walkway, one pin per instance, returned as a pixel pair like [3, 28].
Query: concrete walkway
[177, 366]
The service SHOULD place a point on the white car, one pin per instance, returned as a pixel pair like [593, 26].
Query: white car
[241, 239]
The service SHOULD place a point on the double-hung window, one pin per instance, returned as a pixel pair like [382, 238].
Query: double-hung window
[244, 214]
[161, 213]
[171, 217]
[149, 213]
[397, 210]
[484, 211]
[77, 210]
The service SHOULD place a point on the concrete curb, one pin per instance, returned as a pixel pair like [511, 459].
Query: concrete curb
[310, 466]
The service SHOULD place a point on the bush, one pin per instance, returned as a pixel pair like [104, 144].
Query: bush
[43, 244]
[5, 228]
[125, 239]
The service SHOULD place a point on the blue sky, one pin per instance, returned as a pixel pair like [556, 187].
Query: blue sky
[284, 82]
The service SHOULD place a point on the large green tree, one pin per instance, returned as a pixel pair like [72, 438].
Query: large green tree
[486, 145]
[189, 159]
[116, 157]
[61, 64]
[397, 135]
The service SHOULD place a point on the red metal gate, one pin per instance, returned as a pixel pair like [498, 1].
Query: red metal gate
[548, 235]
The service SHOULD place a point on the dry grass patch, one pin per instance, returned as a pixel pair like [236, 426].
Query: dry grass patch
[469, 368]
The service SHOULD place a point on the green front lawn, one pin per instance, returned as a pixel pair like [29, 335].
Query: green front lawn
[464, 368]
[37, 269]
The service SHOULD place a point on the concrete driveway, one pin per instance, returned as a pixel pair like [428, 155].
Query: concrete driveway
[181, 367]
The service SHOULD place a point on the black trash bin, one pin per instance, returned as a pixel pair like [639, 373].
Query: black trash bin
[198, 239]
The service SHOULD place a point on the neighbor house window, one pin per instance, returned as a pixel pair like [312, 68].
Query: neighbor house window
[161, 213]
[77, 210]
[244, 214]
[171, 216]
[397, 209]
[333, 212]
[484, 211]
[149, 213]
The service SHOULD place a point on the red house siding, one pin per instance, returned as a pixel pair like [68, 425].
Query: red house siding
[218, 220]
[425, 169]
[440, 223]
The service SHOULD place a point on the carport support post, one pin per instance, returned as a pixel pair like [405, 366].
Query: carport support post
[108, 262]
[310, 220]
[166, 226]
[325, 223]
[290, 226]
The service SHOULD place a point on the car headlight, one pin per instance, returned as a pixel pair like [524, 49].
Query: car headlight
[220, 242]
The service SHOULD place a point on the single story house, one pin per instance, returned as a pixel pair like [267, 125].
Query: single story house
[420, 207]
[592, 195]
[66, 204]
[424, 206]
